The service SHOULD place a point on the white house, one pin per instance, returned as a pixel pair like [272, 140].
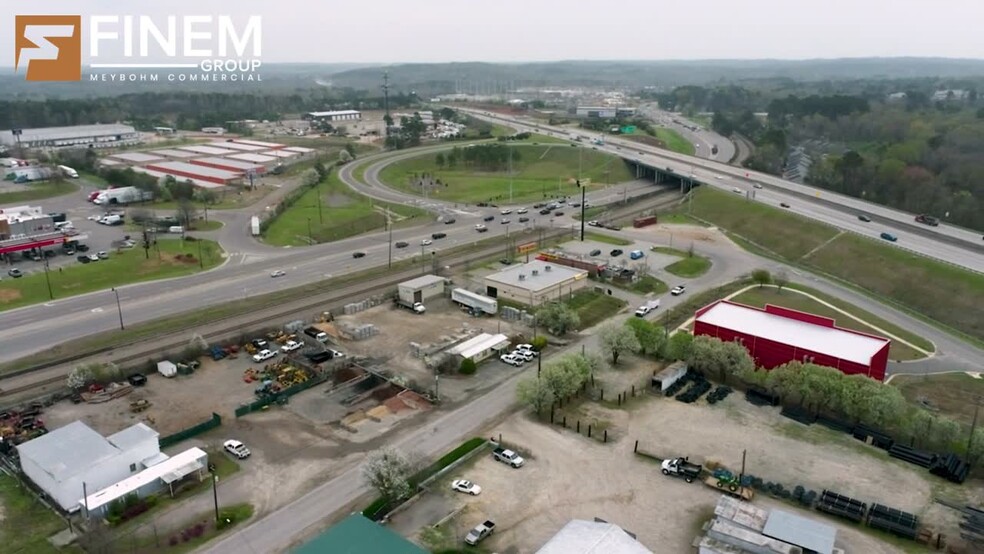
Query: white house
[73, 461]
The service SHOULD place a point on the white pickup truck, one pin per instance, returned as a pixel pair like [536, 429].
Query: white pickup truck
[508, 457]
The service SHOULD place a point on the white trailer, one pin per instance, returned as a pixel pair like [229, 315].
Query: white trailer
[68, 172]
[475, 301]
[122, 195]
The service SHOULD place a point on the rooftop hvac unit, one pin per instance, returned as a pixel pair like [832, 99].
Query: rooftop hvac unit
[546, 268]
[522, 276]
[536, 272]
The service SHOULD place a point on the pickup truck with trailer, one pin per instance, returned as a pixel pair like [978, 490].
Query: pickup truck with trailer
[415, 307]
[316, 334]
[507, 457]
[480, 532]
[681, 467]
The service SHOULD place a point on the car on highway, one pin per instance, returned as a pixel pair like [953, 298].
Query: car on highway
[864, 218]
[643, 311]
[264, 355]
[505, 261]
[359, 254]
[15, 273]
[437, 236]
[450, 221]
[522, 211]
[467, 487]
[719, 176]
[595, 252]
[236, 448]
[757, 186]
[783, 205]
[506, 211]
[504, 221]
[889, 237]
[402, 244]
[736, 190]
[524, 219]
[481, 228]
[278, 273]
[291, 346]
[489, 218]
[616, 252]
[678, 290]
[426, 242]
[558, 213]
[576, 205]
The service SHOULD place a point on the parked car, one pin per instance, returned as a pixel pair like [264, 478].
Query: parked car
[558, 213]
[15, 273]
[489, 218]
[736, 190]
[401, 244]
[616, 252]
[636, 254]
[237, 449]
[545, 211]
[505, 261]
[511, 360]
[450, 221]
[278, 273]
[594, 223]
[481, 228]
[94, 257]
[359, 254]
[467, 487]
[263, 355]
[291, 346]
[643, 311]
[527, 348]
[506, 212]
[137, 379]
[480, 532]
[524, 219]
[678, 290]
[504, 221]
[522, 211]
[595, 252]
[83, 258]
[508, 457]
[864, 218]
[889, 237]
[525, 355]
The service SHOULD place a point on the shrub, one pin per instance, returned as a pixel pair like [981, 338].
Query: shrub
[539, 343]
[468, 367]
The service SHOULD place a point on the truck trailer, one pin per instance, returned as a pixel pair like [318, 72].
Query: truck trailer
[475, 301]
[122, 195]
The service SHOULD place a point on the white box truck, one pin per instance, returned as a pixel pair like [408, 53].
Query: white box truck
[475, 301]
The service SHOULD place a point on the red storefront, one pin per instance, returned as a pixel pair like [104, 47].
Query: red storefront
[776, 335]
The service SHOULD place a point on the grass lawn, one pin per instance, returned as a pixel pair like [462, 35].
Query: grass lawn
[674, 141]
[38, 191]
[689, 266]
[344, 213]
[202, 225]
[540, 172]
[594, 307]
[598, 237]
[230, 200]
[122, 268]
[759, 297]
[936, 290]
[951, 394]
[26, 524]
[237, 513]
[649, 285]
[787, 234]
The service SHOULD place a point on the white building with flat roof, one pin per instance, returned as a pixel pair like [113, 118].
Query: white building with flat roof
[535, 282]
[78, 136]
[334, 115]
[480, 347]
[581, 536]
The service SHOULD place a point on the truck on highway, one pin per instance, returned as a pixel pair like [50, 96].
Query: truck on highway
[599, 141]
[68, 172]
[480, 532]
[415, 307]
[475, 302]
[122, 195]
[681, 467]
[927, 220]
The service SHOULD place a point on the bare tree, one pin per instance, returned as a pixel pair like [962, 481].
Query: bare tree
[187, 213]
[780, 279]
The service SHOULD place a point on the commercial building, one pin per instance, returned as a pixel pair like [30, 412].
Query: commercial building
[605, 112]
[261, 159]
[535, 282]
[24, 228]
[356, 534]
[580, 536]
[204, 149]
[233, 145]
[422, 288]
[172, 153]
[334, 116]
[180, 170]
[235, 166]
[776, 335]
[268, 145]
[135, 158]
[79, 136]
[480, 347]
[73, 460]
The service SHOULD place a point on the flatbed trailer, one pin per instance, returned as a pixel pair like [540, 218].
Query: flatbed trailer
[742, 493]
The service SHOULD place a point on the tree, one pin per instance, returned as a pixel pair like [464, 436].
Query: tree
[187, 212]
[780, 279]
[535, 393]
[616, 339]
[761, 277]
[79, 377]
[679, 346]
[310, 177]
[350, 148]
[388, 471]
[439, 160]
[344, 157]
[560, 379]
[558, 318]
[716, 357]
[651, 337]
[468, 367]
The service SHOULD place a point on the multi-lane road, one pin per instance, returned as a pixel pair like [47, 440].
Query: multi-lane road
[948, 243]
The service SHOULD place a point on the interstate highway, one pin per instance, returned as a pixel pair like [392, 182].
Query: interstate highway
[964, 247]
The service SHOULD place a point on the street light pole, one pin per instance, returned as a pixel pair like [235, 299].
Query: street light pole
[201, 263]
[47, 279]
[389, 224]
[310, 237]
[215, 491]
[584, 191]
[119, 307]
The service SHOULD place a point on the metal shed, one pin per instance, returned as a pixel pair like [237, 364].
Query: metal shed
[808, 534]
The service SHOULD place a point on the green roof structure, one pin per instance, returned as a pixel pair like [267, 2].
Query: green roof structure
[357, 534]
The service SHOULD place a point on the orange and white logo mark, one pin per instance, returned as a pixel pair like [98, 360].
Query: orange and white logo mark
[50, 46]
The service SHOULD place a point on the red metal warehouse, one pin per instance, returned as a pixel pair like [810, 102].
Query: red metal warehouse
[776, 335]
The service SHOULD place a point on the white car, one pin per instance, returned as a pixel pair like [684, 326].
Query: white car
[506, 212]
[719, 176]
[756, 185]
[736, 190]
[278, 273]
[594, 223]
[236, 448]
[426, 242]
[678, 290]
[525, 355]
[643, 311]
[511, 360]
[527, 348]
[522, 211]
[466, 487]
[263, 355]
[102, 255]
[93, 257]
[505, 221]
[480, 227]
[291, 346]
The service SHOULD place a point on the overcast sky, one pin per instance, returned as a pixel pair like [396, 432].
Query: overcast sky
[393, 31]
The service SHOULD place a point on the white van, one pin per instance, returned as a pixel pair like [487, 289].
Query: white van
[111, 220]
[68, 172]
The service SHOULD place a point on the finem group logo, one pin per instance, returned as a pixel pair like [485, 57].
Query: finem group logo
[192, 47]
[50, 46]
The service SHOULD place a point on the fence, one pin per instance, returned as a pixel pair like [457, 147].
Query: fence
[282, 396]
[192, 431]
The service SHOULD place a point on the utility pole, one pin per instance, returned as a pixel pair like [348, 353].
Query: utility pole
[321, 218]
[119, 307]
[389, 263]
[510, 179]
[47, 279]
[386, 103]
[584, 191]
[215, 490]
[201, 263]
[310, 237]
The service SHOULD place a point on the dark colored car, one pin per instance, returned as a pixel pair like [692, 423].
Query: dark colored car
[489, 218]
[783, 205]
[595, 253]
[558, 213]
[524, 219]
[864, 218]
[82, 247]
[358, 254]
[402, 244]
[616, 252]
[83, 259]
[505, 261]
[544, 211]
[449, 221]
[889, 237]
[436, 236]
[137, 379]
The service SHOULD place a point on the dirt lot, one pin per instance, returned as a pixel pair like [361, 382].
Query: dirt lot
[570, 476]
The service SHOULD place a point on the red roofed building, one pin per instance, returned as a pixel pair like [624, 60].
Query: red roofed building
[776, 335]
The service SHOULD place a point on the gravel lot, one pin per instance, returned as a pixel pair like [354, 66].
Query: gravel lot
[570, 476]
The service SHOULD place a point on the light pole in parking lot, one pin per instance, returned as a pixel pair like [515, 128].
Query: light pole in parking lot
[119, 307]
[47, 279]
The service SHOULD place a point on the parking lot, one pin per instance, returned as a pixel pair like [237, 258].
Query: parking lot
[569, 476]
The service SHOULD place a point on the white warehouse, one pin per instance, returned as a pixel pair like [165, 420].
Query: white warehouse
[422, 288]
[74, 460]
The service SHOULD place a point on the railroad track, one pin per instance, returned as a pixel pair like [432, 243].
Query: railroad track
[232, 326]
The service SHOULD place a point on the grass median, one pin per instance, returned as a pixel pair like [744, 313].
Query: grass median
[930, 289]
[607, 239]
[170, 258]
[36, 191]
[689, 266]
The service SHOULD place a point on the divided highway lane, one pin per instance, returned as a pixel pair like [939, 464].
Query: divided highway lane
[682, 164]
[32, 329]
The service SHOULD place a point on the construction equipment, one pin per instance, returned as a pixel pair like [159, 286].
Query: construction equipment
[140, 405]
[250, 348]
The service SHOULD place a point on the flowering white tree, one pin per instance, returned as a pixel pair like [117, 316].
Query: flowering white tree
[388, 471]
[79, 377]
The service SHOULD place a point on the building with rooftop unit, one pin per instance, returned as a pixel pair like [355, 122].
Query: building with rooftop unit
[334, 116]
[535, 282]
